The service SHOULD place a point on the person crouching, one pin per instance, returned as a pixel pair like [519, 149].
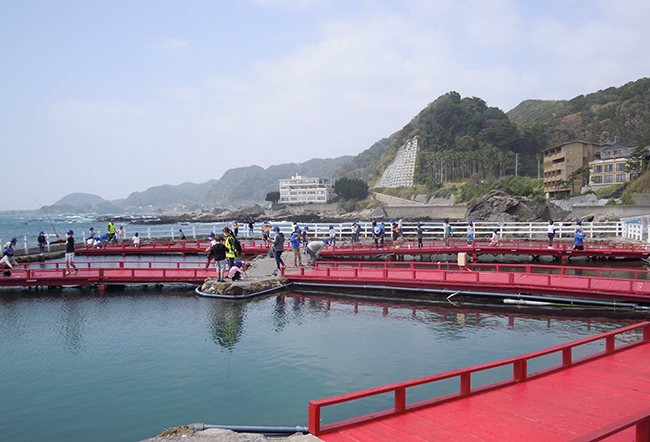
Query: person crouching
[236, 271]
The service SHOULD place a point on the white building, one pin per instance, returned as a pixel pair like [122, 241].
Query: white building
[305, 190]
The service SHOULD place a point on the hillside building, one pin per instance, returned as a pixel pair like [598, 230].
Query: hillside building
[562, 160]
[610, 167]
[298, 189]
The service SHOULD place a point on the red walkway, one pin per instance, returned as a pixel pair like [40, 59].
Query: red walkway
[605, 393]
[167, 247]
[583, 282]
[103, 273]
[531, 248]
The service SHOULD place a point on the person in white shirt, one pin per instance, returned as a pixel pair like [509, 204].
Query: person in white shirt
[551, 233]
[314, 248]
[136, 240]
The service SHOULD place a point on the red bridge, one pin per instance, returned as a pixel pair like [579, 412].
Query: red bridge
[605, 394]
[103, 273]
[167, 247]
[579, 282]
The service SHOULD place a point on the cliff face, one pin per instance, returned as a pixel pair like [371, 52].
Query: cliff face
[499, 206]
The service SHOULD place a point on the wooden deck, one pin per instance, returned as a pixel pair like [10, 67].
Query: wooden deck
[606, 393]
[581, 282]
[104, 273]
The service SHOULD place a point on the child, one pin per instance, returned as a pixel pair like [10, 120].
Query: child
[136, 240]
[551, 234]
[305, 237]
[448, 233]
[420, 233]
[7, 262]
[494, 241]
[213, 242]
[236, 271]
[332, 236]
[577, 243]
[221, 263]
[295, 247]
[470, 233]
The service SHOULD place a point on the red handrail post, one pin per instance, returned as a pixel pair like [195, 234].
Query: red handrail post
[643, 431]
[314, 419]
[520, 369]
[465, 384]
[566, 357]
[646, 333]
[400, 400]
[610, 344]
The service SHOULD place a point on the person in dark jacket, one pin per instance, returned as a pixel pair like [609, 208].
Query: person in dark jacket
[278, 247]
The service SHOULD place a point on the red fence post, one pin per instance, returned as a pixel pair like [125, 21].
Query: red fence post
[465, 384]
[566, 357]
[520, 370]
[314, 419]
[646, 333]
[643, 431]
[610, 344]
[400, 400]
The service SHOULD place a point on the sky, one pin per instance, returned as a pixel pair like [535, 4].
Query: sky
[114, 97]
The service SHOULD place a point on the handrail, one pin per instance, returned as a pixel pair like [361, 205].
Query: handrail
[520, 374]
[640, 419]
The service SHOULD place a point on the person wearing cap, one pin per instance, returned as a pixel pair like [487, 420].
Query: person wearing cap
[305, 237]
[332, 236]
[266, 228]
[314, 248]
[183, 237]
[578, 240]
[235, 228]
[356, 230]
[11, 243]
[42, 242]
[393, 229]
[400, 226]
[376, 234]
[111, 231]
[494, 241]
[69, 253]
[278, 247]
[470, 233]
[135, 240]
[231, 254]
[420, 233]
[236, 271]
[579, 226]
[219, 251]
[295, 247]
[213, 242]
[7, 262]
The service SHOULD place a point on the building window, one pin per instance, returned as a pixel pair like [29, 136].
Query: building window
[621, 177]
[608, 179]
[620, 167]
[609, 168]
[597, 179]
[598, 169]
[570, 149]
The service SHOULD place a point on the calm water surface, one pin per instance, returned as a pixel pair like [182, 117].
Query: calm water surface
[130, 364]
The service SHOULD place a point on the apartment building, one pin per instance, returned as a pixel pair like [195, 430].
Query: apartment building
[298, 189]
[610, 167]
[562, 160]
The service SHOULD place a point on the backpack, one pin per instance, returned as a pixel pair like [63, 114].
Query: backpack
[238, 246]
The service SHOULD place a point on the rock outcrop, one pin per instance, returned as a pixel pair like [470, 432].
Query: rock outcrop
[499, 206]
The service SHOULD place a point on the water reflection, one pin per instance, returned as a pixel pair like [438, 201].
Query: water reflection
[72, 321]
[227, 323]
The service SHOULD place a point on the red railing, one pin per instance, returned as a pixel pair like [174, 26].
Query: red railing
[641, 420]
[586, 272]
[520, 374]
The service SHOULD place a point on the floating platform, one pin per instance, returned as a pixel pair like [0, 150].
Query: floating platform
[578, 282]
[603, 394]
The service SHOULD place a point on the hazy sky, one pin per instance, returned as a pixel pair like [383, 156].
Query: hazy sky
[115, 97]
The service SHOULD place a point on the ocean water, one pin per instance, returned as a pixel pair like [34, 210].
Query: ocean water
[127, 365]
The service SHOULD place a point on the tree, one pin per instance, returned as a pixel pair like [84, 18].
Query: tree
[273, 196]
[638, 162]
[348, 188]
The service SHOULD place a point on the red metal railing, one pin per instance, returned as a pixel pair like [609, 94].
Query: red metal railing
[641, 420]
[520, 374]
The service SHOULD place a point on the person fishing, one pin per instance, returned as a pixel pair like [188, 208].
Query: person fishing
[69, 253]
[7, 262]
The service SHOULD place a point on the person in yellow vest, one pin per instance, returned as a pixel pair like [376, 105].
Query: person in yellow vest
[235, 228]
[266, 229]
[111, 231]
[231, 251]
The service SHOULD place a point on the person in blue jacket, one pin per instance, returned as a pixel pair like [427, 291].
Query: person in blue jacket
[295, 247]
[577, 242]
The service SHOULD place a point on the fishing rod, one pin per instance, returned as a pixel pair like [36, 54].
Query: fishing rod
[48, 217]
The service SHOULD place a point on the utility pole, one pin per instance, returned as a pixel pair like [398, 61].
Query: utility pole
[516, 163]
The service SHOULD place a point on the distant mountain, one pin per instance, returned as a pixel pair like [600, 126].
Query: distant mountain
[81, 199]
[237, 187]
